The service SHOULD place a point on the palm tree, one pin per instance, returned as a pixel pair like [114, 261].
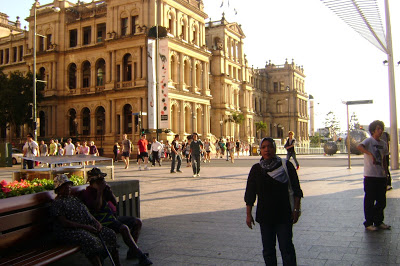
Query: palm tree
[261, 126]
[236, 118]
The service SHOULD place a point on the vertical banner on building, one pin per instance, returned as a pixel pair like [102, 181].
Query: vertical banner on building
[151, 67]
[163, 77]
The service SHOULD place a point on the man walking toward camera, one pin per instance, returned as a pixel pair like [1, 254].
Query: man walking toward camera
[375, 168]
[195, 150]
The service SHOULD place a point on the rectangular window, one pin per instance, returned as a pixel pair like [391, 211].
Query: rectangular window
[124, 26]
[15, 54]
[87, 33]
[134, 22]
[73, 38]
[276, 86]
[48, 41]
[101, 32]
[7, 56]
[1, 57]
[41, 44]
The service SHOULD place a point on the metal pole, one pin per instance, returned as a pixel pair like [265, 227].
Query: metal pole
[394, 143]
[348, 138]
[34, 72]
[156, 58]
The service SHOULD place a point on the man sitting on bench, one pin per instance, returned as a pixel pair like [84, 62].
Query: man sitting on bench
[100, 200]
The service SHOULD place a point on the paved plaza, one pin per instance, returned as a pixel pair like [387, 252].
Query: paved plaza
[201, 221]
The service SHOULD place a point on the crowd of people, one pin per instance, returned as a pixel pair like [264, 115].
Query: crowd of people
[32, 149]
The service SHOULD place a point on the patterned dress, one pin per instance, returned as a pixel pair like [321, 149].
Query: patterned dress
[74, 210]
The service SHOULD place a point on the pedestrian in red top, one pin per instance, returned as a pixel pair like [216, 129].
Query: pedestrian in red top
[142, 146]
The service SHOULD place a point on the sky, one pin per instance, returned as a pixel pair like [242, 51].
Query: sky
[339, 64]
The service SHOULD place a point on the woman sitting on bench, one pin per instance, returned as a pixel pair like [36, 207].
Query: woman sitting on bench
[75, 225]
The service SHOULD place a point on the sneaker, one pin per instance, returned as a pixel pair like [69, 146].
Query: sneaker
[389, 188]
[146, 168]
[173, 172]
[371, 228]
[384, 226]
[179, 171]
[198, 175]
[140, 168]
[194, 175]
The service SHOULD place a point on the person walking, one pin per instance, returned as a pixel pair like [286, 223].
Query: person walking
[143, 154]
[126, 150]
[275, 184]
[196, 147]
[30, 150]
[289, 146]
[69, 148]
[156, 148]
[176, 154]
[375, 177]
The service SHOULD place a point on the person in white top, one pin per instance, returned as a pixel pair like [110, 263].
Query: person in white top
[156, 147]
[374, 150]
[30, 150]
[69, 148]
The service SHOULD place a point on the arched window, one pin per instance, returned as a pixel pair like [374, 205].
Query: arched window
[279, 106]
[86, 74]
[127, 74]
[85, 121]
[184, 29]
[127, 119]
[100, 121]
[187, 72]
[72, 76]
[195, 40]
[100, 72]
[73, 123]
[171, 23]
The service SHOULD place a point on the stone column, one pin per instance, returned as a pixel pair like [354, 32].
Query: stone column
[107, 117]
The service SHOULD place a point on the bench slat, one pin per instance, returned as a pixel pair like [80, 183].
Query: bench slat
[8, 240]
[25, 201]
[39, 256]
[14, 220]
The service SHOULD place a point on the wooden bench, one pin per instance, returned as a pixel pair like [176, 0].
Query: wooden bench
[26, 226]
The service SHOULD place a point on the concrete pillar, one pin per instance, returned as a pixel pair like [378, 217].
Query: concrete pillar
[92, 123]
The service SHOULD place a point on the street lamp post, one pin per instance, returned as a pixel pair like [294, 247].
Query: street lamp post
[348, 125]
[34, 71]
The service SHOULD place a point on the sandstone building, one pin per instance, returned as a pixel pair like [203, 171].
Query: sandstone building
[93, 58]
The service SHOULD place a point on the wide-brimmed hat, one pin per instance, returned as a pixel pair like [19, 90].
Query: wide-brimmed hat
[95, 174]
[60, 180]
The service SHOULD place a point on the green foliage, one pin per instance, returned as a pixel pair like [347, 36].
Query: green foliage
[315, 140]
[261, 126]
[238, 118]
[332, 124]
[16, 98]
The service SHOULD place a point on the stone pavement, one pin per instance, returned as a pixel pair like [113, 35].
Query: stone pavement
[201, 221]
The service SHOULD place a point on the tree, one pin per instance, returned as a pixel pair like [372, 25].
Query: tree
[261, 126]
[354, 124]
[237, 118]
[16, 98]
[332, 124]
[315, 140]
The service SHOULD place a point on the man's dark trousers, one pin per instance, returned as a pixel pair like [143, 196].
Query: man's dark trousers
[179, 159]
[374, 200]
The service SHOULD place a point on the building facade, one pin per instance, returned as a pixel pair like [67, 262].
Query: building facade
[93, 60]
